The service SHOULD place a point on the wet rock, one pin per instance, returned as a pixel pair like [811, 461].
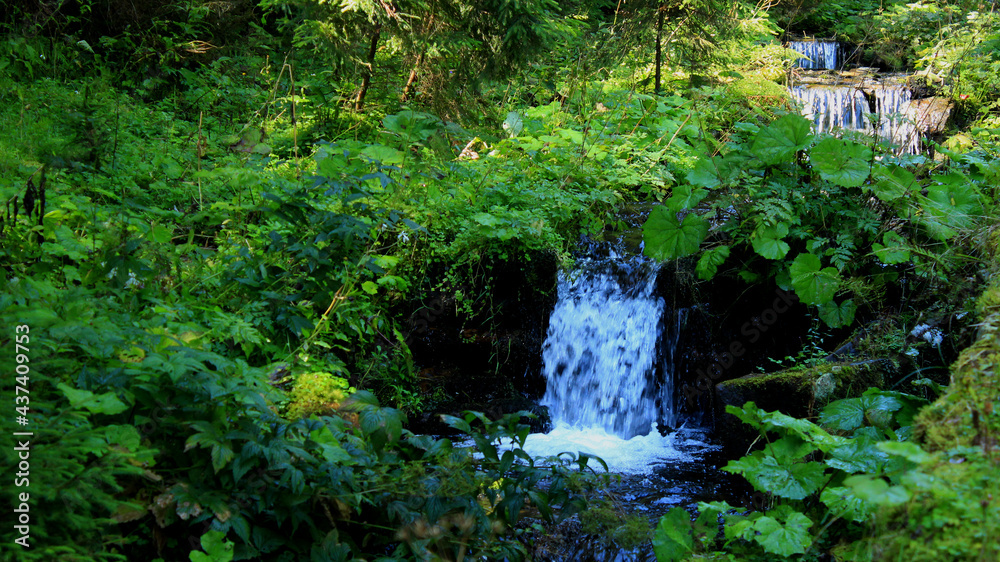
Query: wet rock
[798, 392]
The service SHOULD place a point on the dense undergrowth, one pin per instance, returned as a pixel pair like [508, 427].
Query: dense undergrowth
[218, 224]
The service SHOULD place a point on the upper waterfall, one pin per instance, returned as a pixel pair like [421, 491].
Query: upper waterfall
[818, 55]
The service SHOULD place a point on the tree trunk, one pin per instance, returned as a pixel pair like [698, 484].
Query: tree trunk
[412, 80]
[359, 102]
[659, 48]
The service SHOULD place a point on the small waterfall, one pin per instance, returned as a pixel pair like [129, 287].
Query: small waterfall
[896, 121]
[833, 107]
[822, 55]
[609, 355]
[601, 349]
[847, 107]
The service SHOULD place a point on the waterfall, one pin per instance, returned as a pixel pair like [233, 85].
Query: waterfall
[896, 121]
[822, 55]
[608, 365]
[833, 107]
[601, 348]
[847, 107]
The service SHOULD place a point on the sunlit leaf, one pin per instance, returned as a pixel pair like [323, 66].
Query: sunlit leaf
[843, 162]
[666, 237]
[782, 139]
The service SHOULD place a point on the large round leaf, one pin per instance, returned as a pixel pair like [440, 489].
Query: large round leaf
[843, 162]
[666, 237]
[781, 140]
[813, 283]
[893, 182]
[837, 315]
[767, 241]
[709, 262]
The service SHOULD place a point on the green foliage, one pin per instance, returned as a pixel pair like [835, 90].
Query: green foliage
[820, 483]
[804, 204]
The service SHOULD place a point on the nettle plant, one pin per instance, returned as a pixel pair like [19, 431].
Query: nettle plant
[822, 482]
[827, 217]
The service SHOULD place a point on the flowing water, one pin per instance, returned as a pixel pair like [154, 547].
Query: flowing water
[820, 55]
[609, 355]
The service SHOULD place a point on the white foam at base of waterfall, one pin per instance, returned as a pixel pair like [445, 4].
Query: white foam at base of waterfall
[637, 455]
[605, 390]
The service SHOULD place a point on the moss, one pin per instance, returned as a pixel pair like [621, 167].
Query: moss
[627, 531]
[954, 513]
[317, 393]
[799, 392]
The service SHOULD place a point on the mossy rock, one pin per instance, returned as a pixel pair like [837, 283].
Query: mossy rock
[759, 91]
[799, 392]
[956, 516]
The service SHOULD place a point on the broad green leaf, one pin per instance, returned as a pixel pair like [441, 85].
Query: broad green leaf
[709, 262]
[383, 154]
[843, 503]
[813, 284]
[781, 140]
[572, 135]
[876, 491]
[684, 198]
[715, 171]
[216, 547]
[330, 448]
[222, 454]
[789, 448]
[952, 202]
[389, 420]
[894, 249]
[843, 162]
[908, 450]
[805, 429]
[369, 287]
[767, 241]
[124, 436]
[106, 403]
[837, 315]
[893, 182]
[513, 124]
[788, 480]
[859, 455]
[784, 540]
[666, 237]
[672, 539]
[846, 415]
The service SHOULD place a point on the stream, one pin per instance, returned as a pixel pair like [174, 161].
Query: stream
[612, 342]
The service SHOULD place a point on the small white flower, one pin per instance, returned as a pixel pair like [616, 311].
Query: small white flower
[934, 337]
[960, 315]
[403, 237]
[112, 273]
[912, 352]
[919, 330]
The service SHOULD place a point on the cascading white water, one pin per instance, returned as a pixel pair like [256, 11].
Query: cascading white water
[846, 107]
[822, 55]
[600, 352]
[896, 121]
[608, 356]
[833, 107]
